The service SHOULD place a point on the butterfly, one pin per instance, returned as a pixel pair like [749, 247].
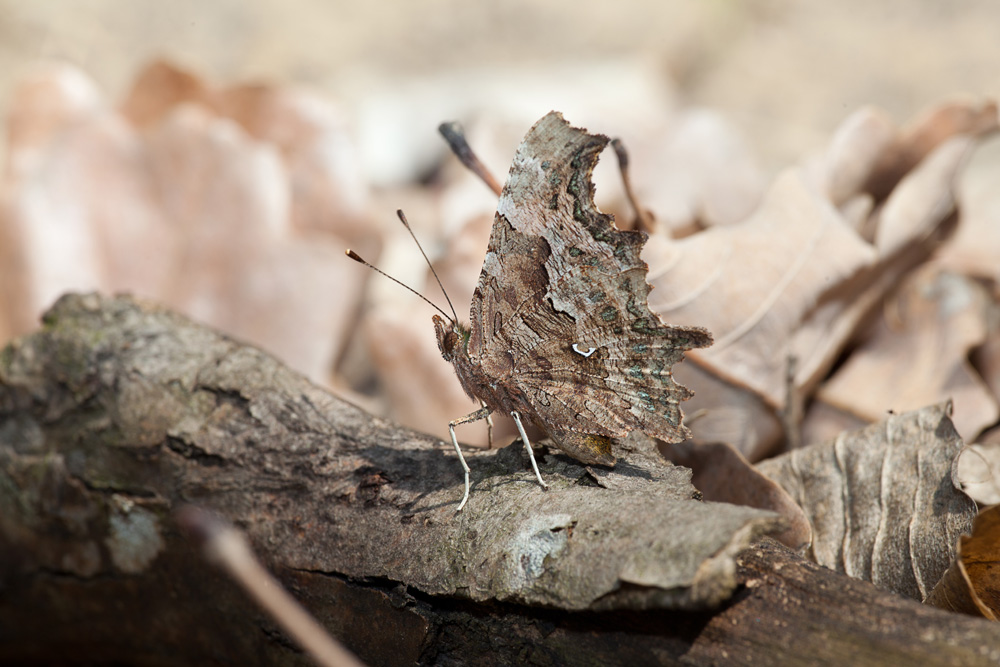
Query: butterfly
[560, 331]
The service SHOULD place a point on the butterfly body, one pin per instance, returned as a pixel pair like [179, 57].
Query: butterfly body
[501, 394]
[560, 332]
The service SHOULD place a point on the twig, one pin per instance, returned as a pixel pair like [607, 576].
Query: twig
[228, 547]
[455, 136]
[643, 219]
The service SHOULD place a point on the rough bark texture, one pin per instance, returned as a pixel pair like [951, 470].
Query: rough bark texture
[116, 413]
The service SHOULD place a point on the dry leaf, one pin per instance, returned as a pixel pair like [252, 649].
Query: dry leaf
[192, 212]
[976, 245]
[978, 471]
[917, 354]
[795, 279]
[909, 226]
[79, 209]
[986, 357]
[823, 421]
[752, 284]
[309, 133]
[724, 475]
[242, 267]
[160, 87]
[972, 583]
[44, 104]
[924, 135]
[853, 154]
[697, 171]
[883, 502]
[723, 412]
[924, 197]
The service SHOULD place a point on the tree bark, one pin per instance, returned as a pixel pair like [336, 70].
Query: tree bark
[116, 414]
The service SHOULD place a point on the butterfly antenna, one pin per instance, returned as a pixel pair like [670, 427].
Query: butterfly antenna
[644, 220]
[406, 223]
[357, 258]
[455, 136]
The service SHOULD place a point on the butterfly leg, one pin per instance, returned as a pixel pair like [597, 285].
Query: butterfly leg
[527, 445]
[481, 413]
[489, 430]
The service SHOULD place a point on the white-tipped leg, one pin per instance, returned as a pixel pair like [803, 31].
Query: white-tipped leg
[481, 413]
[465, 466]
[527, 445]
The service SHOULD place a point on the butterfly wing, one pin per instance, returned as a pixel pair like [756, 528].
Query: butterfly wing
[560, 318]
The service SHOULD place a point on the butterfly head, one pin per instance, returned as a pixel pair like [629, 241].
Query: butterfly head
[452, 337]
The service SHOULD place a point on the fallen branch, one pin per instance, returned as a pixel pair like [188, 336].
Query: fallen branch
[117, 413]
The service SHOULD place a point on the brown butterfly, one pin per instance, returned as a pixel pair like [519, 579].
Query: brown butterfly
[561, 334]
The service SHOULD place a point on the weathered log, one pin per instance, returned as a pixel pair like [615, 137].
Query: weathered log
[116, 413]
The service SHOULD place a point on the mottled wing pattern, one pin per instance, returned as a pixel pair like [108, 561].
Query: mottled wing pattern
[560, 315]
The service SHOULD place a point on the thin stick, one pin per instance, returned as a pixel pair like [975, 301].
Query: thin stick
[228, 547]
[791, 412]
[455, 136]
[644, 220]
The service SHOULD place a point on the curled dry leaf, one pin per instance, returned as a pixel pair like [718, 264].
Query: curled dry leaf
[724, 475]
[310, 135]
[192, 211]
[986, 357]
[978, 471]
[923, 198]
[883, 502]
[972, 583]
[697, 171]
[925, 134]
[752, 284]
[853, 154]
[910, 225]
[725, 412]
[916, 355]
[796, 278]
[976, 245]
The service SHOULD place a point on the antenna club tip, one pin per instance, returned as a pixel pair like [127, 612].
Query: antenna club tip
[353, 255]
